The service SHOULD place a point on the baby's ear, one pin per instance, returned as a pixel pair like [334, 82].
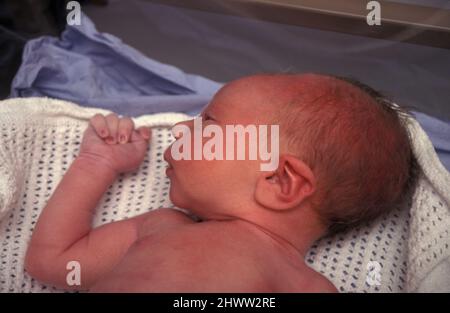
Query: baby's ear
[286, 187]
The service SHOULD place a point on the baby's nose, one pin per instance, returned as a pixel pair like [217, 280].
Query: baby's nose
[176, 129]
[174, 133]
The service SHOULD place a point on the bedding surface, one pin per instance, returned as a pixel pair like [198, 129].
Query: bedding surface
[40, 137]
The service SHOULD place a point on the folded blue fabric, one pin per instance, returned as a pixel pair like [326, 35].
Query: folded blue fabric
[99, 70]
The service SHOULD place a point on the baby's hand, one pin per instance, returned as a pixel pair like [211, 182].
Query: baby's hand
[113, 141]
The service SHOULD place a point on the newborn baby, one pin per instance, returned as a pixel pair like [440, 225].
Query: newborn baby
[344, 158]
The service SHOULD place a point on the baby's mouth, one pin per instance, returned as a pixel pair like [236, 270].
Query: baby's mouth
[167, 158]
[169, 170]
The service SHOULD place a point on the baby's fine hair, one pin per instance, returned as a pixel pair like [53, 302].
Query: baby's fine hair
[357, 144]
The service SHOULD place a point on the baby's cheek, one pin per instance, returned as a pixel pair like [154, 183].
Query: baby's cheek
[205, 178]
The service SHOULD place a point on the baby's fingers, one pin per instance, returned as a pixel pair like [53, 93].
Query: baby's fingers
[112, 120]
[125, 129]
[145, 132]
[141, 133]
[98, 122]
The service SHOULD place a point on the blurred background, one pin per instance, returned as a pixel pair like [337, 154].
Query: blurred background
[407, 58]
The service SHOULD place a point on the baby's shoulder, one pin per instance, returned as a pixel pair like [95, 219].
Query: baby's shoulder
[302, 280]
[216, 237]
[315, 282]
[210, 252]
[244, 259]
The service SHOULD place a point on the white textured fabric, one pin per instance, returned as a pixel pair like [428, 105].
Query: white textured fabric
[40, 137]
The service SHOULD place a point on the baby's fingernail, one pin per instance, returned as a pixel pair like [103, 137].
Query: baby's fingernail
[110, 140]
[122, 139]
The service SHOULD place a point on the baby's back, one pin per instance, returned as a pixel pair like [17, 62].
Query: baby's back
[213, 256]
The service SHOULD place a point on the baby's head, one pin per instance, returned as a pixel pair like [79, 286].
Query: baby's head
[344, 154]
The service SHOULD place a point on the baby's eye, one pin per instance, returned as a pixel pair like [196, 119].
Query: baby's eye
[206, 117]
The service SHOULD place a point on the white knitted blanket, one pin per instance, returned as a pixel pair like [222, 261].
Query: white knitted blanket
[407, 250]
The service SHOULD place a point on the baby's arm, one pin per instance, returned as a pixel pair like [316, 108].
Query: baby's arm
[63, 232]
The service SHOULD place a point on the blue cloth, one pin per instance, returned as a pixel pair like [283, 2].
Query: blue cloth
[439, 133]
[99, 70]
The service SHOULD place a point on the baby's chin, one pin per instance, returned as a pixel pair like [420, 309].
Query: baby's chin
[193, 212]
[195, 207]
[180, 202]
[196, 214]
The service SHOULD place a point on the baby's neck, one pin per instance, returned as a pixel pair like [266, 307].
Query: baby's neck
[296, 242]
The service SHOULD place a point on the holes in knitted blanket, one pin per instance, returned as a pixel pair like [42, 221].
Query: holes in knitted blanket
[342, 258]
